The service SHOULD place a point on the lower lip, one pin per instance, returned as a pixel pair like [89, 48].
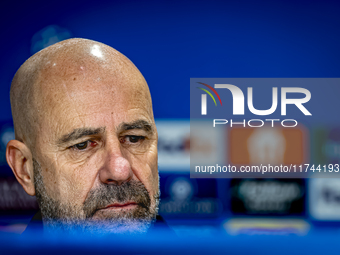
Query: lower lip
[123, 207]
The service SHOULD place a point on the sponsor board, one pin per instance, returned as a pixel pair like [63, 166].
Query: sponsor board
[176, 142]
[273, 197]
[326, 145]
[263, 226]
[269, 145]
[324, 198]
[173, 145]
[182, 197]
[207, 146]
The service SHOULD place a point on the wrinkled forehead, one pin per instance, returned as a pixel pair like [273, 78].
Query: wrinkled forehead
[68, 87]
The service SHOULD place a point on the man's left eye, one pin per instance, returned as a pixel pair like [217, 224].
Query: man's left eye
[133, 139]
[83, 145]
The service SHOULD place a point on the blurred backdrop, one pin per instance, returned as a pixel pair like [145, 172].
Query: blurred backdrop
[171, 42]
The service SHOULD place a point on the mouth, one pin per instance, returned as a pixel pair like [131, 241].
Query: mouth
[121, 206]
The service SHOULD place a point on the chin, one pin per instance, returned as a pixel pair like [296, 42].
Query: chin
[118, 221]
[117, 226]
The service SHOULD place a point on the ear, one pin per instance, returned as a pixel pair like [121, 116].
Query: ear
[19, 158]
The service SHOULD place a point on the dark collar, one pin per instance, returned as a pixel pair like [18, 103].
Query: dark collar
[36, 225]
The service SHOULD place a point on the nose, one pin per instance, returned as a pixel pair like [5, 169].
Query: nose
[116, 169]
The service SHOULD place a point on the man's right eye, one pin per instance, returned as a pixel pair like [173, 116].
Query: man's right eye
[81, 146]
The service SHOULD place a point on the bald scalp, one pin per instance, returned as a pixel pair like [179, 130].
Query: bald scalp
[45, 74]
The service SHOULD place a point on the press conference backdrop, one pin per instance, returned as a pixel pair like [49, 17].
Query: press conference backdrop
[171, 42]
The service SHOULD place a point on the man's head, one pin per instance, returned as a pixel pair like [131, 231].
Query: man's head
[86, 141]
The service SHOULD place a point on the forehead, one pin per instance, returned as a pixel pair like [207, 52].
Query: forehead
[73, 94]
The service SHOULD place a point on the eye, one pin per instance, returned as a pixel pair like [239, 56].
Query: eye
[132, 139]
[135, 139]
[82, 146]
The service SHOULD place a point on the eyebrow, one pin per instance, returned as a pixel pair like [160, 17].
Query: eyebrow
[138, 124]
[79, 133]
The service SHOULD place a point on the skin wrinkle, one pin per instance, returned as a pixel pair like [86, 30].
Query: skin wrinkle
[65, 87]
[79, 132]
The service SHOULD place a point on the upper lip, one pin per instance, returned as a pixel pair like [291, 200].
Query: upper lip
[120, 204]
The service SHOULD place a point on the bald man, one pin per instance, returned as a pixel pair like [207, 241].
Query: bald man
[85, 139]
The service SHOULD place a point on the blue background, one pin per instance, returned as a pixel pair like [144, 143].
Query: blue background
[173, 41]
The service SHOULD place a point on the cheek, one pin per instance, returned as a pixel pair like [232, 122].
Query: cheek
[83, 177]
[71, 183]
[145, 168]
[154, 169]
